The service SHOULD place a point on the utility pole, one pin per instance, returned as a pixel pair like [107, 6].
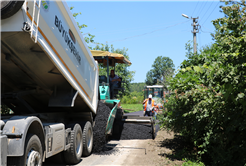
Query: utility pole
[195, 30]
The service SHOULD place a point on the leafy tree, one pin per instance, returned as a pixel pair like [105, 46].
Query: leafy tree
[120, 69]
[162, 68]
[137, 87]
[208, 104]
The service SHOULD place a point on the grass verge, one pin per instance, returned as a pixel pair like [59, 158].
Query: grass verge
[132, 107]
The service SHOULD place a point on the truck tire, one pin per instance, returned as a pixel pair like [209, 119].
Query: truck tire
[33, 153]
[9, 8]
[74, 153]
[87, 139]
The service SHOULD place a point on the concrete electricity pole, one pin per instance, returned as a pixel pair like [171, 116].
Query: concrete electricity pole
[195, 30]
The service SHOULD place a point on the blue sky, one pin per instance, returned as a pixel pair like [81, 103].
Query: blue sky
[147, 28]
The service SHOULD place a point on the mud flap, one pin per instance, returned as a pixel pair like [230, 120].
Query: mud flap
[3, 150]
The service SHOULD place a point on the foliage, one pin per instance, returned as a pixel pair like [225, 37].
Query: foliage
[133, 98]
[120, 69]
[191, 163]
[5, 109]
[162, 68]
[137, 87]
[208, 106]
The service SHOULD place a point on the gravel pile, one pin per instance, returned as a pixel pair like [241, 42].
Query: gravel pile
[100, 127]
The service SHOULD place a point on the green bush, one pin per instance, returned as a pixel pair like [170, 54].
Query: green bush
[191, 163]
[208, 106]
[133, 98]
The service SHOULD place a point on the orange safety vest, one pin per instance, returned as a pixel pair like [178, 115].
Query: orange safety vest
[146, 102]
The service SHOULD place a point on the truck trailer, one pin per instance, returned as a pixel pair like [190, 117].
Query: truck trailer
[49, 79]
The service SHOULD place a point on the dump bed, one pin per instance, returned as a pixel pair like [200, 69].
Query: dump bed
[57, 73]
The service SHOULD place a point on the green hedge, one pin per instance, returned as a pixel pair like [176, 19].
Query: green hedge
[208, 104]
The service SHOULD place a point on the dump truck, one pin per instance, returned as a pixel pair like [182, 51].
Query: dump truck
[50, 81]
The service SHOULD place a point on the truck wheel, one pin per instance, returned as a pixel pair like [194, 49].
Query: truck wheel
[33, 153]
[87, 139]
[74, 153]
[9, 8]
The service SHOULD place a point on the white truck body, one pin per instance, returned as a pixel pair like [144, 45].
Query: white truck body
[48, 78]
[54, 54]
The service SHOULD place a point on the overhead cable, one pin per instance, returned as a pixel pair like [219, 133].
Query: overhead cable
[203, 7]
[207, 29]
[211, 13]
[135, 28]
[195, 8]
[200, 9]
[149, 32]
[208, 9]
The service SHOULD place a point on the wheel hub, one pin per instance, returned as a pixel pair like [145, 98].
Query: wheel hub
[89, 144]
[78, 143]
[34, 159]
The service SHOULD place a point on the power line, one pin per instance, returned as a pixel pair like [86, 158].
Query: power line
[208, 9]
[148, 32]
[203, 7]
[153, 36]
[199, 9]
[211, 13]
[195, 8]
[207, 29]
[130, 31]
[137, 28]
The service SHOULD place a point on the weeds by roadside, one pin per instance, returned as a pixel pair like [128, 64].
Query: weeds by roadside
[131, 107]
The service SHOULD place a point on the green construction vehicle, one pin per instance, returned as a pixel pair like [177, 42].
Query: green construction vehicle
[117, 116]
[109, 59]
[157, 92]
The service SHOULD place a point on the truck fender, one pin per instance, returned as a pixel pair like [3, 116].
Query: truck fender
[17, 128]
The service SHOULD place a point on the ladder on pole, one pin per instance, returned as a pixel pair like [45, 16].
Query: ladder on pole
[33, 18]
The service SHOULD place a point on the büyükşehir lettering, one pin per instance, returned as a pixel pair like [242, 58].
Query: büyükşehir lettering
[67, 39]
